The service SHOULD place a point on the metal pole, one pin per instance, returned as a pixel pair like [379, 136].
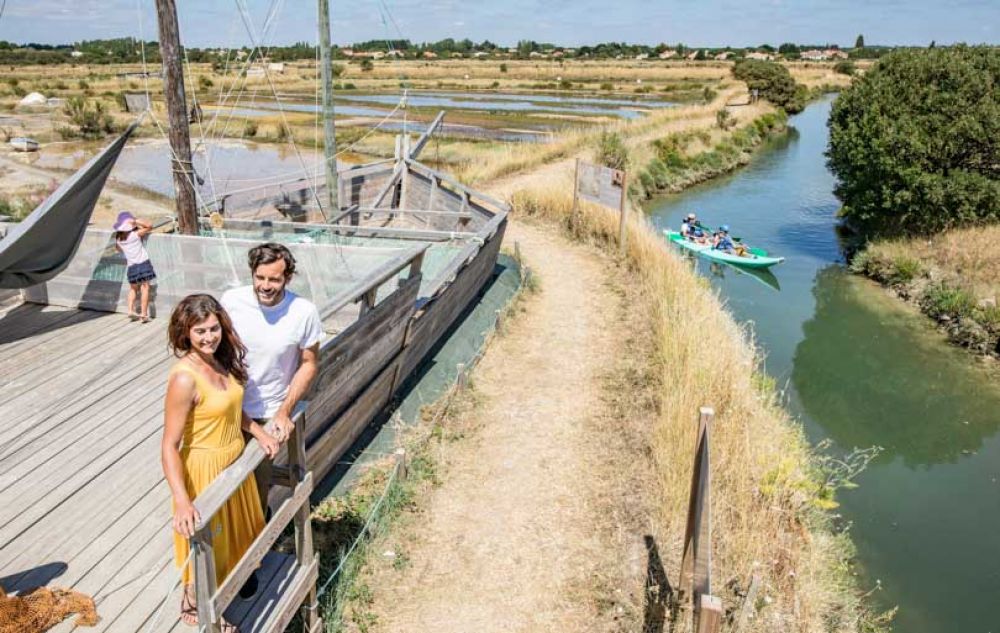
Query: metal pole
[177, 116]
[329, 131]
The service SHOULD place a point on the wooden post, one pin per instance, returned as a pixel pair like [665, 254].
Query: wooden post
[303, 527]
[329, 131]
[696, 563]
[708, 615]
[177, 116]
[622, 223]
[401, 462]
[575, 214]
[460, 379]
[749, 604]
[203, 560]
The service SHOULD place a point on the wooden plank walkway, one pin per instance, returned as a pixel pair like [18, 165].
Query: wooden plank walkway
[83, 502]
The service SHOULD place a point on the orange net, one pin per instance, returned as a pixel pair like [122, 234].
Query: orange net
[41, 609]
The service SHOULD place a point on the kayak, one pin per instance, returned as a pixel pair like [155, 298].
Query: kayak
[756, 257]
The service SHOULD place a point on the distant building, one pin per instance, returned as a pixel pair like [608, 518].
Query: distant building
[255, 72]
[693, 55]
[723, 56]
[557, 55]
[535, 55]
[764, 57]
[457, 55]
[347, 52]
[835, 53]
[814, 55]
[430, 55]
[480, 54]
[76, 54]
[642, 56]
[668, 54]
[276, 67]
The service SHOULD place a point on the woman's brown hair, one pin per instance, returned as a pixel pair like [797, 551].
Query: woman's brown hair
[194, 309]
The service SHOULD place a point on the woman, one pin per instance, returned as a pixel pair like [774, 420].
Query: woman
[202, 436]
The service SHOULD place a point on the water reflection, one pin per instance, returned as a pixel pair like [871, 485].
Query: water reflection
[862, 362]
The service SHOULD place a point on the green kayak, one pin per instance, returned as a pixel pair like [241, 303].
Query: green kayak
[756, 257]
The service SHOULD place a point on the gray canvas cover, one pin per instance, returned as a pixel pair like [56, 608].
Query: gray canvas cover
[39, 248]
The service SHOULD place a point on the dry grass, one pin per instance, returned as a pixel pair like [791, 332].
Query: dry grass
[765, 505]
[968, 255]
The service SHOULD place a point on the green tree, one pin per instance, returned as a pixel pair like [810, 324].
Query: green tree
[611, 151]
[915, 141]
[774, 82]
[860, 42]
[844, 67]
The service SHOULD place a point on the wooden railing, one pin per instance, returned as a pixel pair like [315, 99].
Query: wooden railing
[295, 468]
[212, 599]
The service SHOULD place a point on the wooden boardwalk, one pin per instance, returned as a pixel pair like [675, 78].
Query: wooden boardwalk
[83, 502]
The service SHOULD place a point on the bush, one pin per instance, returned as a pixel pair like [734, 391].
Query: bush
[337, 69]
[844, 67]
[724, 119]
[83, 85]
[611, 151]
[914, 142]
[503, 68]
[250, 129]
[943, 299]
[774, 82]
[90, 117]
[565, 84]
[607, 85]
[708, 94]
[367, 65]
[204, 83]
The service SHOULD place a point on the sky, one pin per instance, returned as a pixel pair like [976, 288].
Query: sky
[565, 22]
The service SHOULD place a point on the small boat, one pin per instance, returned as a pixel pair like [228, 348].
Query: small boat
[755, 257]
[24, 144]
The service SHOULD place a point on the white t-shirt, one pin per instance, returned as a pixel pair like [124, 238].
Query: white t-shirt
[274, 337]
[133, 249]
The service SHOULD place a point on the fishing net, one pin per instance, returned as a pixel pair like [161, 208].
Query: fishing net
[43, 608]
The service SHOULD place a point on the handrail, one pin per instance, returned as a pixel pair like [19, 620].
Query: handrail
[412, 257]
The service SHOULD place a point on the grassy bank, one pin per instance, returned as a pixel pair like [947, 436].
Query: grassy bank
[951, 276]
[686, 158]
[770, 492]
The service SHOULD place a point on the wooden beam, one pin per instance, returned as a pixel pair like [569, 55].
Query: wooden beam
[372, 281]
[426, 136]
[443, 177]
[709, 615]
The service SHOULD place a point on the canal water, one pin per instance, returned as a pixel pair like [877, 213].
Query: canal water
[860, 369]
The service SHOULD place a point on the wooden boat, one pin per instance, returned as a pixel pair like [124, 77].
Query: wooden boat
[755, 257]
[24, 144]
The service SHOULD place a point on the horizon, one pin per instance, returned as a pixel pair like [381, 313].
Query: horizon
[566, 24]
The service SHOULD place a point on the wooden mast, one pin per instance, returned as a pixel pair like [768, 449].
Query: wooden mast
[180, 136]
[329, 136]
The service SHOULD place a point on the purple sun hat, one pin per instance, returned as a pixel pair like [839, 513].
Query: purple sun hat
[125, 222]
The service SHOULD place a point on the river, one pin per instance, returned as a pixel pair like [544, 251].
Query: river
[861, 369]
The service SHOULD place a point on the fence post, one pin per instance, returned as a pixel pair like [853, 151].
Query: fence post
[708, 615]
[303, 527]
[696, 562]
[575, 214]
[203, 559]
[623, 215]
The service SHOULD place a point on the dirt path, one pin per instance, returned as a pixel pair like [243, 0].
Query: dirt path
[507, 542]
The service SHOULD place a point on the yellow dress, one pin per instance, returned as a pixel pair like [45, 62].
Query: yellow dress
[212, 441]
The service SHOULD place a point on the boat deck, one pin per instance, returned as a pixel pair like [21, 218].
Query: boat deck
[83, 501]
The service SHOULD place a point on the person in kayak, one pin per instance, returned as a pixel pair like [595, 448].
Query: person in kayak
[722, 242]
[691, 229]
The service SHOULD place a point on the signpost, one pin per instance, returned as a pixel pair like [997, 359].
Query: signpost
[603, 186]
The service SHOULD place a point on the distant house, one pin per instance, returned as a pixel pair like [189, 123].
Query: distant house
[396, 54]
[457, 55]
[276, 67]
[814, 55]
[835, 53]
[430, 55]
[764, 57]
[512, 51]
[256, 72]
[668, 54]
[536, 55]
[557, 55]
[723, 56]
[642, 56]
[76, 54]
[480, 54]
[693, 55]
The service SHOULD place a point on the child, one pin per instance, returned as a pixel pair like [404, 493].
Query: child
[129, 235]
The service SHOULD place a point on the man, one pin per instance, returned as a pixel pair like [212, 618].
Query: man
[282, 333]
[687, 226]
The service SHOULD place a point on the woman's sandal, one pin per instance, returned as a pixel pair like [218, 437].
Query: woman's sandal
[189, 610]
